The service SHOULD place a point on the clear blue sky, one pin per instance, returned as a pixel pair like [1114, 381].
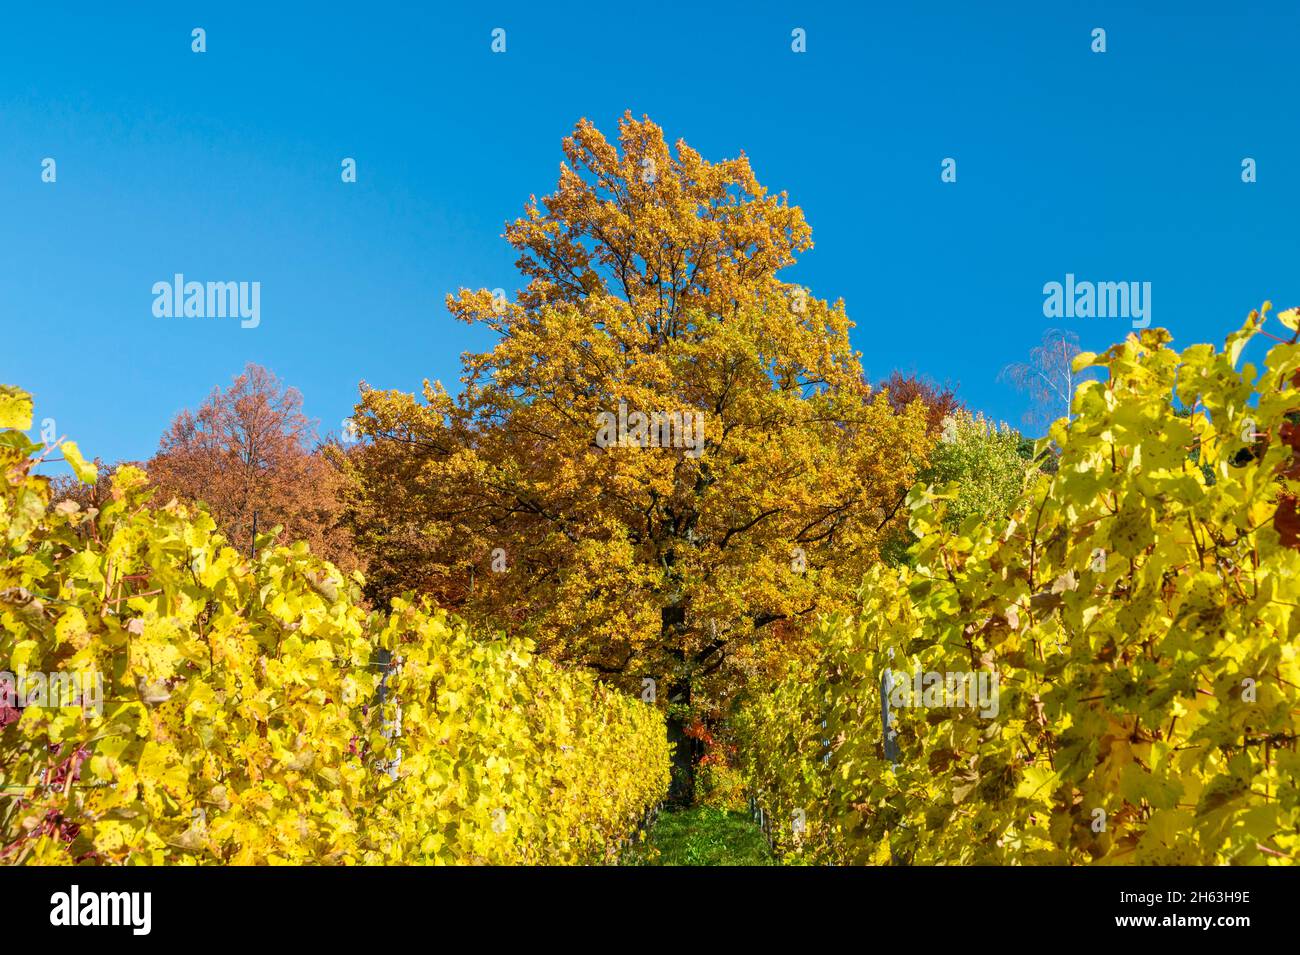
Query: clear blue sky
[225, 166]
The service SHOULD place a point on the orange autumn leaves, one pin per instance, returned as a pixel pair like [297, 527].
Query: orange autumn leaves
[248, 450]
[651, 280]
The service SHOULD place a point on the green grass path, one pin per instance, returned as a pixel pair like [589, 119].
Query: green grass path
[702, 835]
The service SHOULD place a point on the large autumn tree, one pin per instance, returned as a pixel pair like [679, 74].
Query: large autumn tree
[249, 450]
[651, 281]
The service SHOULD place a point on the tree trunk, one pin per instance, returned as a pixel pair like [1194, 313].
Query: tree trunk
[685, 748]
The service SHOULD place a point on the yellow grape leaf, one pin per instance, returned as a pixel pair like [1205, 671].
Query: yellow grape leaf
[15, 408]
[85, 470]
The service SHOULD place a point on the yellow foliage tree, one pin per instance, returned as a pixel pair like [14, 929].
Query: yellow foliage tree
[686, 555]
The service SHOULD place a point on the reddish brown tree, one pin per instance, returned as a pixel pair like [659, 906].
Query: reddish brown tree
[249, 450]
[940, 400]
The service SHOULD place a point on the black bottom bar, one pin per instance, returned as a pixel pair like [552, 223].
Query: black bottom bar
[188, 907]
